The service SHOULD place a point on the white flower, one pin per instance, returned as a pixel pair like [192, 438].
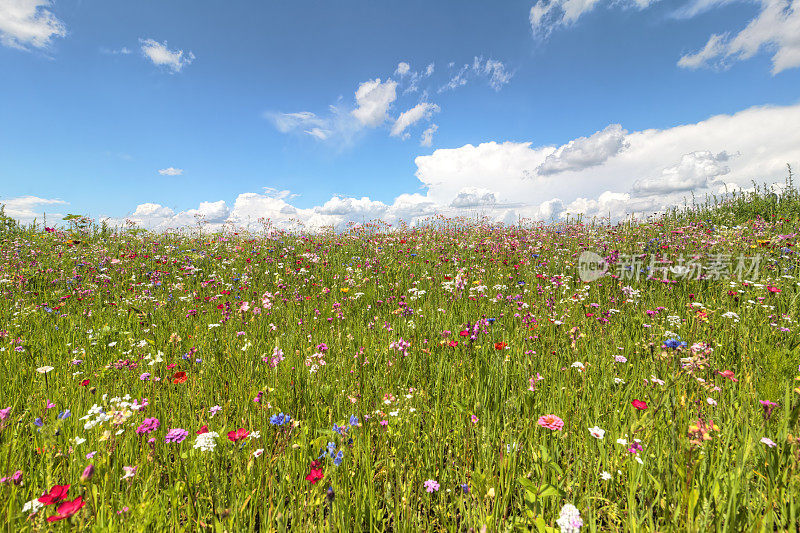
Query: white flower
[258, 452]
[622, 442]
[214, 410]
[32, 506]
[639, 460]
[578, 365]
[619, 381]
[711, 401]
[44, 369]
[206, 441]
[570, 519]
[597, 433]
[255, 434]
[605, 476]
[79, 440]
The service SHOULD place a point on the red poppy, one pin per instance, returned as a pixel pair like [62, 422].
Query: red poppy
[639, 404]
[463, 333]
[499, 345]
[84, 383]
[56, 494]
[67, 509]
[315, 474]
[179, 377]
[237, 435]
[452, 344]
[202, 430]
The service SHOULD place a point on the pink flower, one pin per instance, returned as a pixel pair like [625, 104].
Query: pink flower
[4, 413]
[551, 422]
[639, 404]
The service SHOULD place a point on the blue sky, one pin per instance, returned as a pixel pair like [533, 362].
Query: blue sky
[99, 96]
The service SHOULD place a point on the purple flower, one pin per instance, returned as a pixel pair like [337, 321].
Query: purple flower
[768, 407]
[4, 413]
[148, 425]
[176, 435]
[145, 376]
[431, 485]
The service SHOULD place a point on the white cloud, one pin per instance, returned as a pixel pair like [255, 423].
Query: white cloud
[410, 117]
[26, 208]
[373, 99]
[492, 70]
[695, 171]
[713, 50]
[474, 197]
[427, 136]
[547, 15]
[585, 152]
[776, 28]
[402, 68]
[28, 23]
[502, 181]
[171, 171]
[162, 56]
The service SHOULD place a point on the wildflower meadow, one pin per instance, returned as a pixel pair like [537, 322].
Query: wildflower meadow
[449, 376]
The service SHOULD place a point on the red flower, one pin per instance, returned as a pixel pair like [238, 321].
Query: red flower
[237, 435]
[452, 344]
[84, 383]
[179, 377]
[315, 474]
[728, 374]
[171, 366]
[773, 289]
[202, 430]
[56, 494]
[67, 509]
[639, 404]
[499, 345]
[463, 333]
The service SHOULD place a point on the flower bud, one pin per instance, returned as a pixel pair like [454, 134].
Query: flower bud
[88, 472]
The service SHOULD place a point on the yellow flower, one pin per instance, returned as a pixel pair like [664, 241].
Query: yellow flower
[344, 289]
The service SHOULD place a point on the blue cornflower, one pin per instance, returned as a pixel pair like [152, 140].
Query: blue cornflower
[338, 459]
[353, 420]
[674, 343]
[339, 430]
[280, 420]
[39, 422]
[64, 414]
[465, 488]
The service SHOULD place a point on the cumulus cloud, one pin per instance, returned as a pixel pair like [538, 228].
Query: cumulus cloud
[776, 28]
[504, 180]
[695, 171]
[474, 197]
[26, 24]
[373, 99]
[426, 139]
[27, 208]
[585, 152]
[161, 56]
[408, 118]
[171, 171]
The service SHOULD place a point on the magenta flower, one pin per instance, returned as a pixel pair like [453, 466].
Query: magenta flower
[4, 413]
[176, 435]
[431, 485]
[148, 425]
[551, 422]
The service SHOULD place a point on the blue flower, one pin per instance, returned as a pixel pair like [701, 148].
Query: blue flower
[674, 343]
[280, 420]
[353, 420]
[338, 459]
[465, 488]
[64, 414]
[38, 422]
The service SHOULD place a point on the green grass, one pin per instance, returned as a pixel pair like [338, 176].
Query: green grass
[461, 415]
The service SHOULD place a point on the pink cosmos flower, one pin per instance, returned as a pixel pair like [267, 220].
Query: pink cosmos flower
[551, 422]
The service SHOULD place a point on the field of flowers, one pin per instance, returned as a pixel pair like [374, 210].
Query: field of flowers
[451, 376]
